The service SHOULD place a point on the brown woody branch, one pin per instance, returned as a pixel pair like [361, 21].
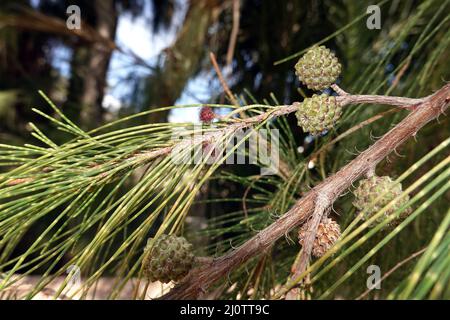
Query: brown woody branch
[407, 103]
[345, 98]
[201, 278]
[391, 271]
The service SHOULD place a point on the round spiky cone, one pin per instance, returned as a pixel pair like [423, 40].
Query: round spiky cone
[169, 259]
[318, 113]
[373, 193]
[318, 68]
[328, 232]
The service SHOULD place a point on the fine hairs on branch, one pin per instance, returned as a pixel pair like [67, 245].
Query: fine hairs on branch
[314, 204]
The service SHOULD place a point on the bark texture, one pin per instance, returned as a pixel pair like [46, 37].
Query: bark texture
[89, 67]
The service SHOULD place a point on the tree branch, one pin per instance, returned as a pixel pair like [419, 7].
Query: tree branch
[234, 31]
[346, 98]
[406, 103]
[339, 90]
[283, 167]
[322, 203]
[201, 278]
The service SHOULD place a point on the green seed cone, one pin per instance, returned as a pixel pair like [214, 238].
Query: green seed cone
[169, 259]
[318, 69]
[374, 187]
[318, 113]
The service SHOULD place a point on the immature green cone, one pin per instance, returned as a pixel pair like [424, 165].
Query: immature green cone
[318, 69]
[328, 232]
[374, 187]
[170, 258]
[318, 113]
